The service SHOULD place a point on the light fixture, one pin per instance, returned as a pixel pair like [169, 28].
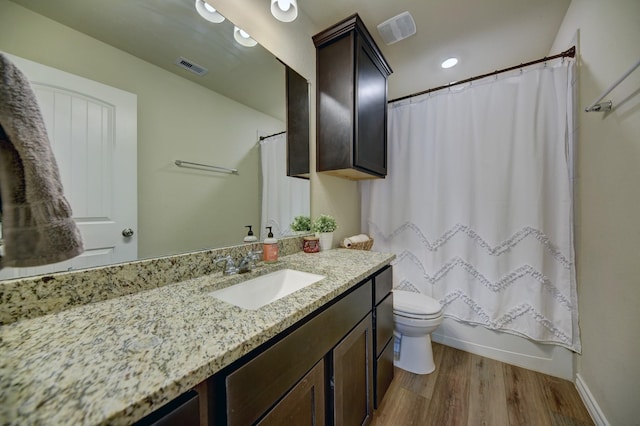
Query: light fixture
[448, 63]
[243, 38]
[284, 10]
[207, 12]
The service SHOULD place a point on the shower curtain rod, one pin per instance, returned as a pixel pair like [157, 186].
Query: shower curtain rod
[275, 134]
[571, 52]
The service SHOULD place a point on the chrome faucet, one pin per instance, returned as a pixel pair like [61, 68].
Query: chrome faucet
[230, 267]
[248, 262]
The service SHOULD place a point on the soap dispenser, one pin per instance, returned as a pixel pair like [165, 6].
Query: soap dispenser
[250, 238]
[270, 247]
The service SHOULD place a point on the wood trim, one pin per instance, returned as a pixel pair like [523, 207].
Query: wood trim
[351, 23]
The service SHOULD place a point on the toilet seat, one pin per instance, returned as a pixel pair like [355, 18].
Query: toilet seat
[415, 305]
[417, 316]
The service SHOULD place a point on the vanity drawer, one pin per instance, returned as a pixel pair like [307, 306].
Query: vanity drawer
[383, 282]
[253, 388]
[384, 323]
[384, 372]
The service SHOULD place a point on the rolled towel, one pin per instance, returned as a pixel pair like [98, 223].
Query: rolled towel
[348, 242]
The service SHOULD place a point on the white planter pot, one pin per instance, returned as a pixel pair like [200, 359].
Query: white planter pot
[326, 240]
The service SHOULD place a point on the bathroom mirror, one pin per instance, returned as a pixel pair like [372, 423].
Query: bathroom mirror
[216, 118]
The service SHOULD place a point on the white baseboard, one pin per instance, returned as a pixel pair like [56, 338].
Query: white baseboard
[589, 401]
[509, 349]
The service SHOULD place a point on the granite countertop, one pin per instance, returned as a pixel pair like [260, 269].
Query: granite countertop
[115, 361]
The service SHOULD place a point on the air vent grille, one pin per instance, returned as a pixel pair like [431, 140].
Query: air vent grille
[191, 66]
[397, 28]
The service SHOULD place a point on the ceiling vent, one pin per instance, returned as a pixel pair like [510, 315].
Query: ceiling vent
[397, 28]
[191, 66]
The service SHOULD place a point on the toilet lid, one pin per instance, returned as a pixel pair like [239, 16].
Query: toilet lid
[415, 303]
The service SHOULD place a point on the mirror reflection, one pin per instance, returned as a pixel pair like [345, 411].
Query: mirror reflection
[131, 50]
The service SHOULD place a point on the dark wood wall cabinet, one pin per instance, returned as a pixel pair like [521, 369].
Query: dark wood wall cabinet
[297, 94]
[351, 102]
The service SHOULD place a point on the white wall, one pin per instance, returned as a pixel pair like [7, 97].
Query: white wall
[178, 209]
[608, 205]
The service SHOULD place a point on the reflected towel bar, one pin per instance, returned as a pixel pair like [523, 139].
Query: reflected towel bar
[606, 106]
[191, 165]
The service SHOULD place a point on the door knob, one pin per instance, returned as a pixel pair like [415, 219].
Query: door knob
[127, 232]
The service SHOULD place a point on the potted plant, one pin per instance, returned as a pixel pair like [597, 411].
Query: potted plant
[323, 226]
[301, 224]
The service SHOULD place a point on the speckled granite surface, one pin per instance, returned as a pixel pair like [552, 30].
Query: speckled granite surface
[50, 293]
[114, 361]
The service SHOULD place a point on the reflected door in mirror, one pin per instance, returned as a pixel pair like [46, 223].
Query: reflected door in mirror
[92, 129]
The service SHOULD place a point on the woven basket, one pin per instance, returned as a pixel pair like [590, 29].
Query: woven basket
[359, 246]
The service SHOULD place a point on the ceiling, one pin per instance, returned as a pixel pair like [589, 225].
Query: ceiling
[485, 35]
[161, 31]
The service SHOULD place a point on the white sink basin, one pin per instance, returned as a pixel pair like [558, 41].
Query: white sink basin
[257, 292]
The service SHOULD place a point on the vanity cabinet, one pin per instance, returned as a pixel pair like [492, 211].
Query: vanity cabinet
[250, 391]
[353, 376]
[190, 408]
[351, 102]
[322, 370]
[383, 337]
[303, 405]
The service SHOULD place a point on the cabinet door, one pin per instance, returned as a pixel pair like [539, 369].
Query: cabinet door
[297, 124]
[370, 151]
[303, 405]
[384, 372]
[184, 410]
[384, 323]
[353, 376]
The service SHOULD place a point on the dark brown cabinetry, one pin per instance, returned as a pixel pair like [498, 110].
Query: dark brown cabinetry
[351, 102]
[353, 376]
[332, 367]
[349, 340]
[184, 410]
[383, 324]
[297, 124]
[303, 405]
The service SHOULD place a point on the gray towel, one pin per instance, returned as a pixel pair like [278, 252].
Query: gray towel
[37, 224]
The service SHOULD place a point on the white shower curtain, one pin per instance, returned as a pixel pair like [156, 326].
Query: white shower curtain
[478, 202]
[283, 197]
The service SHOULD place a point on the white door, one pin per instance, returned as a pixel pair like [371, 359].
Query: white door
[93, 133]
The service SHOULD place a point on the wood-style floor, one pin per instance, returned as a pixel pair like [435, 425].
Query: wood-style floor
[467, 389]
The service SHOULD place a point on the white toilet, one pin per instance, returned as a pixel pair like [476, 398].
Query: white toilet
[415, 317]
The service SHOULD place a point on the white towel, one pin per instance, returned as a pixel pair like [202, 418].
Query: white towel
[37, 224]
[361, 238]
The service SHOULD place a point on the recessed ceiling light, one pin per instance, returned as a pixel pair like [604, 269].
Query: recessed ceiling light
[207, 12]
[243, 37]
[284, 10]
[448, 63]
